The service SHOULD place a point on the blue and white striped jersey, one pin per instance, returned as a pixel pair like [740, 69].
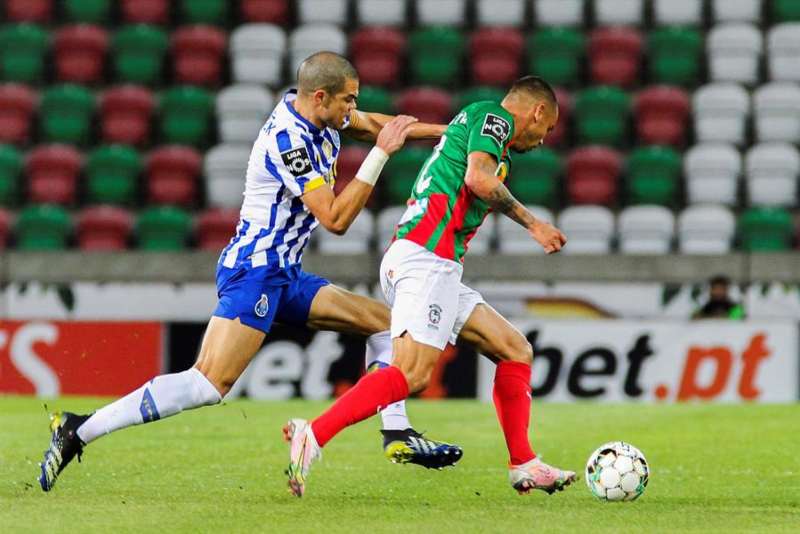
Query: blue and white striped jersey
[290, 157]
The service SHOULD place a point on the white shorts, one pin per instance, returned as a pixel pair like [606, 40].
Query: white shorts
[425, 294]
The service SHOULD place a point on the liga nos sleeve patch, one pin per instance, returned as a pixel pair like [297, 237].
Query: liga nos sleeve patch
[297, 161]
[495, 127]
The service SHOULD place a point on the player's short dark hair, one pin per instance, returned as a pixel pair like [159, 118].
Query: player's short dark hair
[325, 70]
[720, 280]
[536, 87]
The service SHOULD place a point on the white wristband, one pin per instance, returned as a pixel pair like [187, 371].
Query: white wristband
[372, 165]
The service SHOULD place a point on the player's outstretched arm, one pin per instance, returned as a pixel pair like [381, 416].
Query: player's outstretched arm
[365, 126]
[337, 212]
[481, 180]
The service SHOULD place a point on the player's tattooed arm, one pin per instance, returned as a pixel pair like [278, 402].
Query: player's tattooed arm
[365, 126]
[502, 201]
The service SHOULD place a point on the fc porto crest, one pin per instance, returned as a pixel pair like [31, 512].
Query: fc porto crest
[262, 306]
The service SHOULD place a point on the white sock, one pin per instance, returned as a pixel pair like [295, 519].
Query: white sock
[163, 396]
[378, 356]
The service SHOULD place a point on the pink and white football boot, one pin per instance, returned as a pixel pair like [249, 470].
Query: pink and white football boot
[536, 474]
[303, 451]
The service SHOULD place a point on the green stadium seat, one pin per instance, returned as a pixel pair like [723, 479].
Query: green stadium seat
[22, 51]
[401, 171]
[205, 11]
[436, 56]
[186, 113]
[534, 176]
[66, 114]
[478, 94]
[601, 115]
[375, 99]
[765, 230]
[556, 55]
[674, 56]
[43, 227]
[88, 11]
[111, 174]
[10, 169]
[653, 175]
[163, 228]
[138, 53]
[785, 10]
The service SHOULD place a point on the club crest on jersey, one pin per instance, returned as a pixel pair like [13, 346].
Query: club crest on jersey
[495, 127]
[297, 160]
[434, 315]
[262, 306]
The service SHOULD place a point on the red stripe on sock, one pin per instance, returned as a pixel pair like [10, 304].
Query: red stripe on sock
[512, 400]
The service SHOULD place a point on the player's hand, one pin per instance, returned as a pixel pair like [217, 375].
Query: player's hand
[393, 134]
[550, 237]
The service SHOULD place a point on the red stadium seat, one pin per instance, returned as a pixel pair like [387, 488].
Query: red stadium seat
[215, 228]
[614, 56]
[172, 173]
[5, 228]
[377, 55]
[198, 53]
[104, 228]
[495, 55]
[662, 114]
[592, 175]
[16, 111]
[559, 134]
[125, 113]
[426, 103]
[29, 10]
[53, 174]
[274, 11]
[347, 164]
[145, 11]
[80, 52]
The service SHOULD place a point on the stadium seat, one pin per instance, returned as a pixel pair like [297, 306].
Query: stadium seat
[653, 175]
[80, 53]
[590, 229]
[512, 238]
[592, 175]
[37, 11]
[186, 115]
[310, 39]
[678, 12]
[5, 228]
[435, 56]
[674, 56]
[22, 52]
[535, 177]
[481, 242]
[646, 230]
[272, 11]
[17, 104]
[706, 229]
[257, 53]
[765, 230]
[601, 115]
[53, 174]
[347, 164]
[777, 112]
[375, 99]
[103, 228]
[215, 227]
[614, 56]
[381, 12]
[425, 103]
[720, 113]
[163, 228]
[401, 172]
[377, 54]
[10, 170]
[558, 13]
[241, 112]
[172, 175]
[322, 11]
[734, 53]
[736, 10]
[662, 116]
[387, 221]
[479, 93]
[500, 12]
[65, 114]
[556, 55]
[783, 42]
[88, 11]
[559, 134]
[785, 10]
[43, 227]
[125, 113]
[138, 55]
[712, 173]
[197, 54]
[112, 173]
[495, 55]
[771, 172]
[441, 12]
[357, 239]
[619, 12]
[214, 12]
[225, 168]
[145, 12]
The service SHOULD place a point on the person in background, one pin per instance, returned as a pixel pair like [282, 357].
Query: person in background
[719, 305]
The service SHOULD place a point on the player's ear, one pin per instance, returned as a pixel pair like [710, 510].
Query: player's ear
[320, 97]
[539, 111]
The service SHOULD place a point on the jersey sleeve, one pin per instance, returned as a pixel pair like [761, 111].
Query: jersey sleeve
[488, 132]
[289, 159]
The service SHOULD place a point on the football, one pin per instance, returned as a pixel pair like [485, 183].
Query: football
[617, 471]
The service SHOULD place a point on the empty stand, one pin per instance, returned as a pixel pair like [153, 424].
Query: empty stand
[17, 103]
[225, 167]
[80, 53]
[145, 11]
[125, 115]
[381, 12]
[512, 238]
[590, 229]
[43, 227]
[646, 230]
[241, 112]
[103, 228]
[10, 170]
[257, 53]
[495, 55]
[771, 172]
[614, 56]
[172, 175]
[619, 12]
[322, 11]
[706, 229]
[593, 175]
[441, 12]
[377, 54]
[720, 113]
[734, 53]
[197, 54]
[426, 104]
[777, 112]
[654, 175]
[783, 43]
[678, 12]
[272, 11]
[310, 39]
[53, 174]
[112, 174]
[662, 116]
[214, 228]
[712, 173]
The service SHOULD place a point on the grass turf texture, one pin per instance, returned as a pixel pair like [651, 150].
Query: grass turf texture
[714, 468]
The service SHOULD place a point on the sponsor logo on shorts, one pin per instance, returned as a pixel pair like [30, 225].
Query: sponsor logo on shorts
[297, 161]
[434, 316]
[495, 127]
[262, 306]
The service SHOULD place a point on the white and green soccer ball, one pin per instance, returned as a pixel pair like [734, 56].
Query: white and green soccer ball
[617, 471]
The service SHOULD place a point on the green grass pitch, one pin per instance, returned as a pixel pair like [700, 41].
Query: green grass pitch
[714, 469]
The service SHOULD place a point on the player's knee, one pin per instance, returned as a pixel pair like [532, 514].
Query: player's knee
[418, 377]
[222, 383]
[518, 349]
